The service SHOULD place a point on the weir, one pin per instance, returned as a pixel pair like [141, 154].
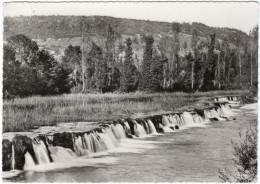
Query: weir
[24, 152]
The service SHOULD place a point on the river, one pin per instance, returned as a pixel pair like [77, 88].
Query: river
[190, 154]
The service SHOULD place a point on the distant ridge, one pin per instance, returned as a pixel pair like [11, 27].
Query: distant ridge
[42, 27]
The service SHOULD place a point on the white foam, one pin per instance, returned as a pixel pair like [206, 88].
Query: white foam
[79, 162]
[253, 107]
[9, 174]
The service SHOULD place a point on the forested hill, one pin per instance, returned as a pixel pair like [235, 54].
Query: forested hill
[41, 27]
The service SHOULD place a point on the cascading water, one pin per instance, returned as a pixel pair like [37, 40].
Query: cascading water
[151, 125]
[60, 154]
[80, 147]
[110, 135]
[108, 141]
[40, 151]
[139, 129]
[210, 114]
[188, 119]
[29, 162]
[225, 110]
[13, 158]
[165, 121]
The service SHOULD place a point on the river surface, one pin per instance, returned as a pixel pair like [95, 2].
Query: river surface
[191, 154]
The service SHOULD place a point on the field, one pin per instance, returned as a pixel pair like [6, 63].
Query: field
[23, 114]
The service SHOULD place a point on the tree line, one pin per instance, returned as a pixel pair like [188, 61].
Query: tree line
[166, 66]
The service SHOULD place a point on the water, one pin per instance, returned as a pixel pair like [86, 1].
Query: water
[185, 155]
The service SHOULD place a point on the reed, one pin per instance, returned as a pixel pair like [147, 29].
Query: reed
[23, 114]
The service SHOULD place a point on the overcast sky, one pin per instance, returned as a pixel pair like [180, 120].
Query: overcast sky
[239, 15]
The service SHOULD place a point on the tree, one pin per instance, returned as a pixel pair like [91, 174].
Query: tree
[30, 71]
[176, 28]
[110, 54]
[146, 65]
[194, 42]
[127, 83]
[156, 79]
[209, 74]
[72, 61]
[94, 55]
[25, 49]
[84, 28]
[101, 70]
[11, 72]
[185, 46]
[253, 54]
[53, 79]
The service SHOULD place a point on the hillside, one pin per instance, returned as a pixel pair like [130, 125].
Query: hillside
[69, 27]
[55, 33]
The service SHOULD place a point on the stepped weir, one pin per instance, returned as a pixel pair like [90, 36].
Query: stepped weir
[22, 152]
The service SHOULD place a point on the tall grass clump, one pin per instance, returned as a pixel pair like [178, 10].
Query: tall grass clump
[245, 161]
[23, 114]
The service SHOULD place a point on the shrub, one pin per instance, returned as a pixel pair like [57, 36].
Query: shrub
[245, 161]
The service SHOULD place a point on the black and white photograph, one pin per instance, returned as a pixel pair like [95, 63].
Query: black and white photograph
[151, 91]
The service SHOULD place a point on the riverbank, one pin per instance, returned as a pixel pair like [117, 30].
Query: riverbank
[27, 113]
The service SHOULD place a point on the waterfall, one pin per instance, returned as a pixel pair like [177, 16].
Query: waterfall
[197, 118]
[108, 132]
[88, 144]
[139, 129]
[29, 162]
[108, 141]
[172, 119]
[13, 158]
[79, 147]
[110, 135]
[115, 132]
[209, 114]
[60, 154]
[119, 131]
[177, 119]
[188, 119]
[96, 143]
[151, 125]
[127, 125]
[165, 121]
[226, 110]
[41, 153]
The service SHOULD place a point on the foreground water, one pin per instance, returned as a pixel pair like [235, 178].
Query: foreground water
[190, 154]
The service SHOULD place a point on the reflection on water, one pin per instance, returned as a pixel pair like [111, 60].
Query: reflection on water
[191, 154]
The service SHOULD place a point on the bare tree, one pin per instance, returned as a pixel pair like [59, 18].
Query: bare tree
[84, 28]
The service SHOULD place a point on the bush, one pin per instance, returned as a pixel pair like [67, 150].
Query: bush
[245, 152]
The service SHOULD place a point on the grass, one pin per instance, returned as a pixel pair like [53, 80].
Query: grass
[24, 114]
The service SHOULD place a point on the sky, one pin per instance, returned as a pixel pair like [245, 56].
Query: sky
[239, 15]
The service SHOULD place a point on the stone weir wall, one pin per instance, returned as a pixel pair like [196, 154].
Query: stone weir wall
[23, 151]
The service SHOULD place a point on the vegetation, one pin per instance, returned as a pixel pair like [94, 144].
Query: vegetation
[129, 80]
[29, 71]
[70, 26]
[245, 161]
[22, 114]
[210, 64]
[149, 59]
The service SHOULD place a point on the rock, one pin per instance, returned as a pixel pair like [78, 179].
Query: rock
[44, 139]
[64, 140]
[22, 144]
[131, 125]
[176, 127]
[6, 155]
[160, 130]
